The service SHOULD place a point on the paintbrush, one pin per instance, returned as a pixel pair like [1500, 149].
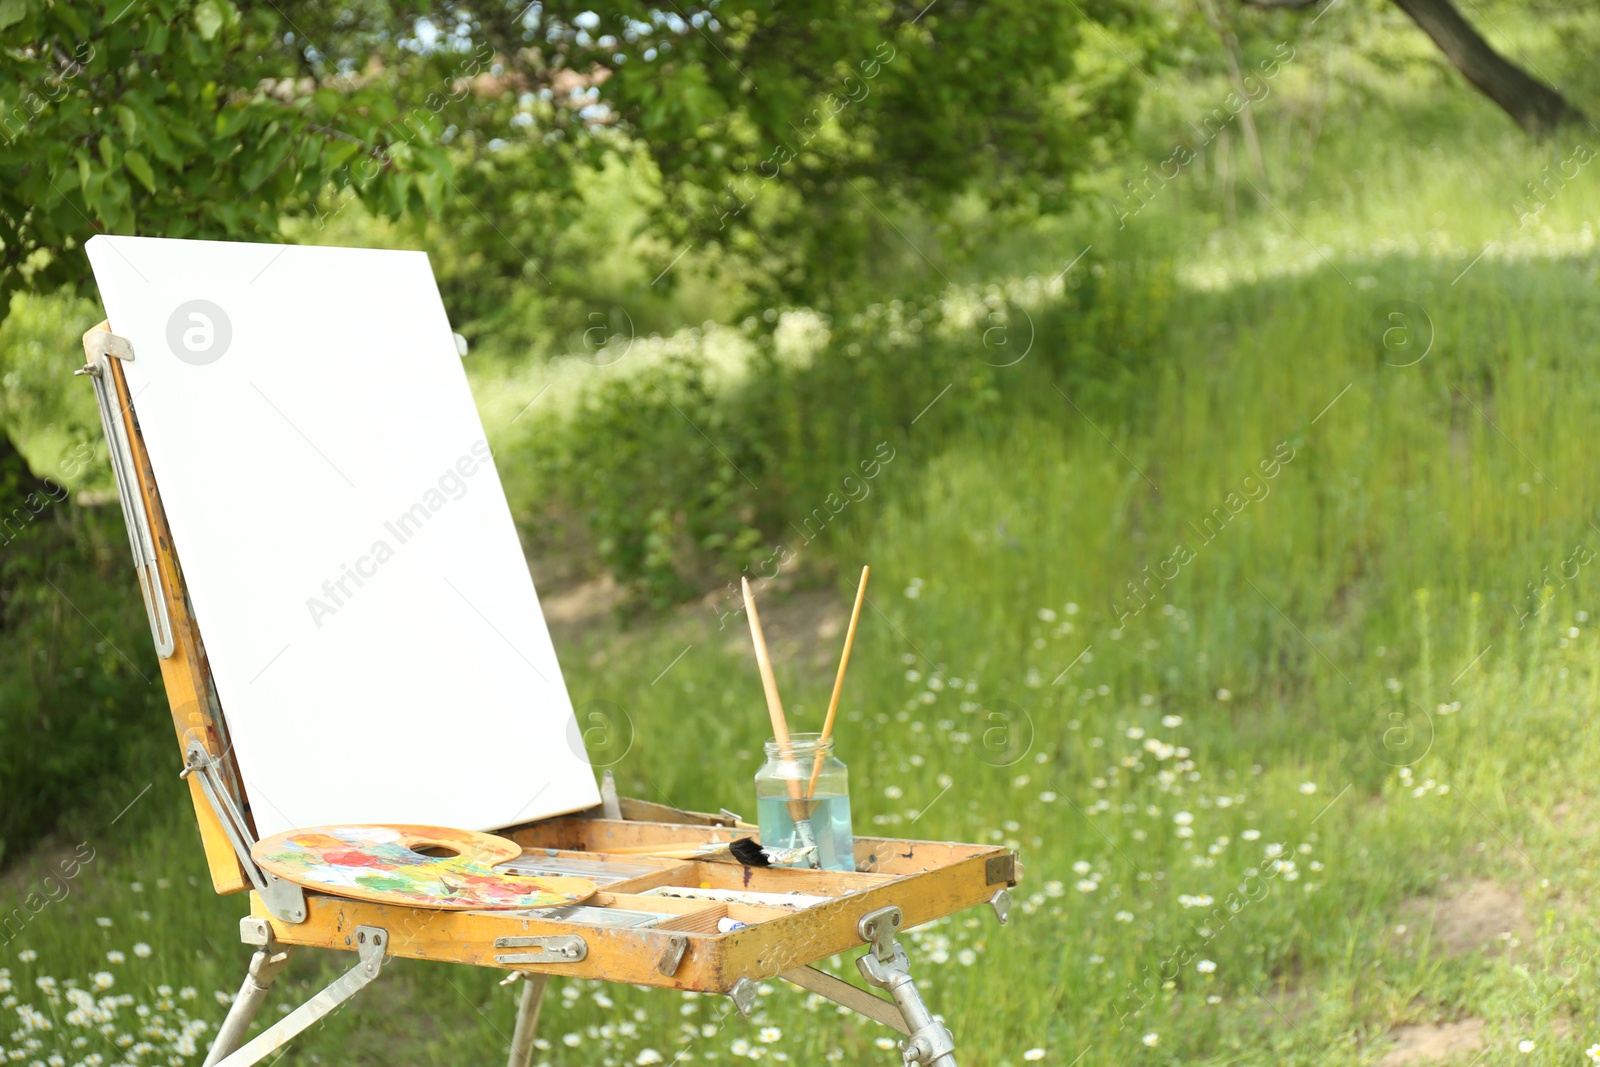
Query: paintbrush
[744, 850]
[838, 683]
[799, 809]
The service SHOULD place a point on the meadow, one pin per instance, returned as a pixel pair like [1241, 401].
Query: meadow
[1242, 581]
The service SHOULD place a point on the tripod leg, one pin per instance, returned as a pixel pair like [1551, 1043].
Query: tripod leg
[265, 965]
[527, 1020]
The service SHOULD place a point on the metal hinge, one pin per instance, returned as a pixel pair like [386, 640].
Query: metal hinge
[285, 900]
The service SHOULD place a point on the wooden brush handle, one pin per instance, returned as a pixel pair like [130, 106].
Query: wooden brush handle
[838, 682]
[769, 683]
[675, 850]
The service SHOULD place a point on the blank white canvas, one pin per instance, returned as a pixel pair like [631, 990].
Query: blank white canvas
[374, 633]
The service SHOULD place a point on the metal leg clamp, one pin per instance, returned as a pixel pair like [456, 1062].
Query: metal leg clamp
[887, 967]
[269, 960]
[370, 943]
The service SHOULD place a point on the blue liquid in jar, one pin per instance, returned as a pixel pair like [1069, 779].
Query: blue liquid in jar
[830, 826]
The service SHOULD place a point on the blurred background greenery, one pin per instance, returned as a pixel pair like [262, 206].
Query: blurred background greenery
[1071, 277]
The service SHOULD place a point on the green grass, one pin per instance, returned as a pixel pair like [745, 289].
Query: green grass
[1376, 665]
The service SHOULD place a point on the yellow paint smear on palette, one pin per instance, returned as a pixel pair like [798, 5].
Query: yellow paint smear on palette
[418, 866]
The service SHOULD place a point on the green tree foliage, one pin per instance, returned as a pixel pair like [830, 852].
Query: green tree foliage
[179, 119]
[779, 139]
[785, 137]
[207, 119]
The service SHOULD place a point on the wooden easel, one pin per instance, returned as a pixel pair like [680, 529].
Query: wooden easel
[897, 884]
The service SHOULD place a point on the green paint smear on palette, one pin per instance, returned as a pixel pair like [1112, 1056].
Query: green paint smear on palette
[389, 883]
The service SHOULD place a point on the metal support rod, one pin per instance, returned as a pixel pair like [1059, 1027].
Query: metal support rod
[102, 349]
[265, 965]
[370, 945]
[855, 998]
[527, 1019]
[931, 1042]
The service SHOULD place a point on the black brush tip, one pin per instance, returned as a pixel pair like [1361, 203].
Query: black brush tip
[747, 852]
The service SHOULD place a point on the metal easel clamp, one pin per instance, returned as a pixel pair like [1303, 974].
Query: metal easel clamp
[548, 948]
[284, 900]
[103, 343]
[99, 348]
[888, 967]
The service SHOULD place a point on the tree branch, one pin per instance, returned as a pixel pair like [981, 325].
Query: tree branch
[1533, 105]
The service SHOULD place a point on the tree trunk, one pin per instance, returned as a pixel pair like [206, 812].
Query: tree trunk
[1247, 116]
[1534, 106]
[17, 479]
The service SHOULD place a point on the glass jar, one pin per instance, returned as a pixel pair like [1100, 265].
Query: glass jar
[803, 800]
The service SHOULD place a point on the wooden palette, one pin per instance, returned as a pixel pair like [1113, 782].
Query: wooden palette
[417, 866]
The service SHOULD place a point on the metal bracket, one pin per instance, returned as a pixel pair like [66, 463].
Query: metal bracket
[879, 928]
[100, 347]
[369, 943]
[610, 805]
[284, 900]
[672, 955]
[744, 996]
[255, 931]
[554, 948]
[1001, 903]
[887, 967]
[97, 344]
[1001, 868]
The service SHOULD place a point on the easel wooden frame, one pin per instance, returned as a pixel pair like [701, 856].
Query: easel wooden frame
[897, 884]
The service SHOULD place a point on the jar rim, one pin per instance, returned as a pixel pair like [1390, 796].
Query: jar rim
[804, 743]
